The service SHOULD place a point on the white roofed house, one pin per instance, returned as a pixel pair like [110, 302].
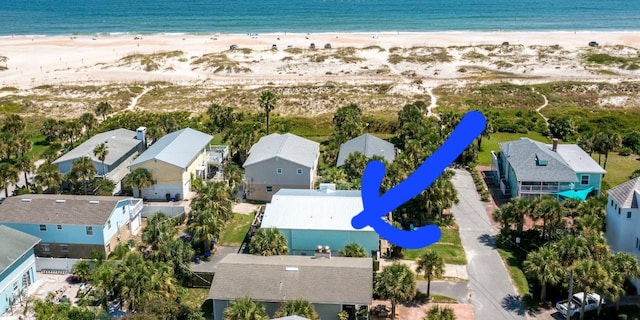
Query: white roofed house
[312, 218]
[369, 145]
[623, 219]
[122, 146]
[280, 161]
[174, 161]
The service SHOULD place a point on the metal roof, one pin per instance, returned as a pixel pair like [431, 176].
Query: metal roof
[521, 155]
[302, 209]
[369, 145]
[578, 159]
[119, 142]
[58, 209]
[335, 280]
[286, 146]
[14, 245]
[627, 194]
[178, 148]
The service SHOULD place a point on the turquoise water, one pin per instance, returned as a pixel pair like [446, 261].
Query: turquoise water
[65, 17]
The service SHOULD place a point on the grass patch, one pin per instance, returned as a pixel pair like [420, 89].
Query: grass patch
[220, 62]
[606, 59]
[150, 62]
[235, 230]
[619, 168]
[379, 48]
[9, 89]
[488, 145]
[514, 265]
[449, 248]
[436, 298]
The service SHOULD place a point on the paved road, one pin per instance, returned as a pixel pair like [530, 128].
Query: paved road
[458, 290]
[210, 266]
[492, 293]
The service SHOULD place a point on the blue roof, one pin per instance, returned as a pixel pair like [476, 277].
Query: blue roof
[178, 148]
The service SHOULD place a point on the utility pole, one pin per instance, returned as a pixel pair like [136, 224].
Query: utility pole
[570, 294]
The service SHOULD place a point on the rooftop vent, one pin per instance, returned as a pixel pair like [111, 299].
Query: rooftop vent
[26, 200]
[291, 269]
[327, 187]
[60, 201]
[94, 202]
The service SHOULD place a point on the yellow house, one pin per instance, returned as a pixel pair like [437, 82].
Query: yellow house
[173, 161]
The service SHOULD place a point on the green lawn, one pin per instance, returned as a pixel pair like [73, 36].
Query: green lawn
[236, 229]
[514, 265]
[449, 248]
[488, 145]
[618, 168]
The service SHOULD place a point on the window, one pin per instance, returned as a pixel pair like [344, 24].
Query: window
[64, 248]
[619, 210]
[279, 170]
[45, 247]
[612, 203]
[43, 227]
[584, 179]
[628, 214]
[269, 189]
[89, 231]
[59, 227]
[109, 224]
[15, 286]
[299, 171]
[108, 247]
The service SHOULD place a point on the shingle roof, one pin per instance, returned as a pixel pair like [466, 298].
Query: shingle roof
[335, 280]
[286, 146]
[178, 148]
[627, 194]
[369, 145]
[14, 244]
[323, 210]
[522, 154]
[58, 209]
[119, 143]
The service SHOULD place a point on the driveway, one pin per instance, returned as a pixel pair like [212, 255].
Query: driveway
[210, 266]
[458, 290]
[492, 293]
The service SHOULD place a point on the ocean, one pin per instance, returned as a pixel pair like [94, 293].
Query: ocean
[109, 17]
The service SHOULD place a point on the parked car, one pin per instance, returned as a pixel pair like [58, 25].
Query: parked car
[327, 46]
[593, 44]
[573, 307]
[312, 45]
[274, 47]
[233, 47]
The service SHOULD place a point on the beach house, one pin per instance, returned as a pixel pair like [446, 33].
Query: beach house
[73, 226]
[17, 266]
[312, 218]
[122, 146]
[280, 161]
[369, 145]
[623, 219]
[330, 284]
[529, 169]
[174, 161]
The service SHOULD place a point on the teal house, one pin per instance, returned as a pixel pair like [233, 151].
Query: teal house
[17, 266]
[312, 218]
[529, 169]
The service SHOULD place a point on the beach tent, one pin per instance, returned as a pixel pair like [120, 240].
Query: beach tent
[575, 194]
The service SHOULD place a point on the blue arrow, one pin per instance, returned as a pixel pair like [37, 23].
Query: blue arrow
[375, 206]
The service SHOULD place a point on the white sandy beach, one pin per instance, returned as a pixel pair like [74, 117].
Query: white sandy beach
[33, 61]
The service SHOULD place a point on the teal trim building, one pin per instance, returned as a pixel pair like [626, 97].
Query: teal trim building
[17, 266]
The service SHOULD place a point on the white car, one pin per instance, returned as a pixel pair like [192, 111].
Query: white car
[573, 307]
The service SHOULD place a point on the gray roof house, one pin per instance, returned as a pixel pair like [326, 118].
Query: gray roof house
[280, 161]
[330, 284]
[17, 265]
[173, 161]
[369, 145]
[529, 169]
[122, 146]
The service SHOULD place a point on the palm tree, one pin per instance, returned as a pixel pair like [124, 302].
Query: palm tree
[26, 166]
[13, 124]
[621, 265]
[84, 169]
[101, 151]
[102, 109]
[397, 283]
[233, 175]
[8, 175]
[81, 271]
[612, 142]
[267, 103]
[432, 265]
[24, 144]
[158, 231]
[352, 250]
[216, 197]
[71, 130]
[590, 275]
[245, 309]
[545, 267]
[486, 133]
[205, 225]
[268, 242]
[139, 178]
[437, 313]
[88, 122]
[49, 176]
[298, 307]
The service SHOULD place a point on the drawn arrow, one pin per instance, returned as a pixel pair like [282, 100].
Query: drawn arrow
[375, 206]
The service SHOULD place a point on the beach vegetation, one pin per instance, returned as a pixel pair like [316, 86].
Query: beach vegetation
[474, 55]
[294, 50]
[150, 62]
[379, 48]
[9, 89]
[219, 62]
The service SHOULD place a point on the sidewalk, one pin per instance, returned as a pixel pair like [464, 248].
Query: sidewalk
[450, 270]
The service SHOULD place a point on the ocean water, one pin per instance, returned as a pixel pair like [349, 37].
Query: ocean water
[66, 17]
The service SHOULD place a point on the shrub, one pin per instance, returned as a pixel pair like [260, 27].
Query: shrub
[625, 151]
